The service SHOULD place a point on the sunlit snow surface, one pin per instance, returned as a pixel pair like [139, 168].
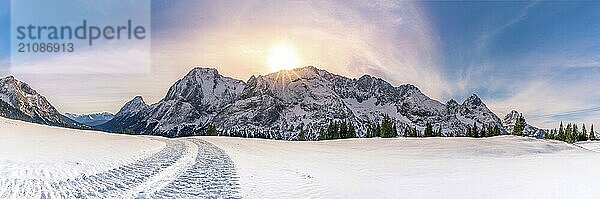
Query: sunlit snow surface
[498, 167]
[39, 161]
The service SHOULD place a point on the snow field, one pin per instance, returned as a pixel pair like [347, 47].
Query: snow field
[498, 167]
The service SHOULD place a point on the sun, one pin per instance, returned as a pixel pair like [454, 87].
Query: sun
[282, 57]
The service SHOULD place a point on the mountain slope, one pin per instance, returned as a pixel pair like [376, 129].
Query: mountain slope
[188, 106]
[91, 119]
[24, 103]
[279, 105]
[282, 104]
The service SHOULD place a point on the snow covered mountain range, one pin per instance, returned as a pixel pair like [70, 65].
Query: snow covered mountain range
[91, 119]
[19, 101]
[281, 104]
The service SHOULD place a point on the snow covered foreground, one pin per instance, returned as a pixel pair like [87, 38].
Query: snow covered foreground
[39, 161]
[498, 167]
[47, 162]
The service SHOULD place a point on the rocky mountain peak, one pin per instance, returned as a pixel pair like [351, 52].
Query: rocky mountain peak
[512, 116]
[24, 99]
[134, 105]
[473, 100]
[452, 103]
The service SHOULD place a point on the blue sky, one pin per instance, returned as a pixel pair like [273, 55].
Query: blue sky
[541, 58]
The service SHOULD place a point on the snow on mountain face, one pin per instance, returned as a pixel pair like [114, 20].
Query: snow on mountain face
[279, 105]
[25, 101]
[529, 130]
[474, 110]
[91, 119]
[189, 104]
[132, 107]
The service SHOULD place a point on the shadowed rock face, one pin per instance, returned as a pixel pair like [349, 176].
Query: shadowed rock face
[24, 103]
[279, 105]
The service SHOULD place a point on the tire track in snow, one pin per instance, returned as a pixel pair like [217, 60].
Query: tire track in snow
[159, 181]
[109, 184]
[212, 176]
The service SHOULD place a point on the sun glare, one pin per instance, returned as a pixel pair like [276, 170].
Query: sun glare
[282, 57]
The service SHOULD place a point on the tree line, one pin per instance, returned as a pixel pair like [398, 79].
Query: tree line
[571, 133]
[334, 130]
[387, 129]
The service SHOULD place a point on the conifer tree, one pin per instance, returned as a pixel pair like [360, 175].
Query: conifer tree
[351, 130]
[592, 133]
[483, 132]
[388, 128]
[469, 133]
[584, 135]
[569, 137]
[211, 130]
[300, 136]
[428, 130]
[561, 133]
[519, 126]
[496, 131]
[575, 132]
[475, 130]
[343, 130]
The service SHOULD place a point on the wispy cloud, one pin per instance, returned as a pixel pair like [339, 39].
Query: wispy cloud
[483, 40]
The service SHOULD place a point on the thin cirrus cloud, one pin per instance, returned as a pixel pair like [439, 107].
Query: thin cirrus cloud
[539, 58]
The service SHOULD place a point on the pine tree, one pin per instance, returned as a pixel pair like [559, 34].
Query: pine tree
[469, 133]
[483, 132]
[394, 130]
[351, 130]
[569, 137]
[592, 133]
[428, 130]
[576, 134]
[584, 135]
[475, 130]
[519, 126]
[343, 130]
[561, 133]
[388, 128]
[300, 136]
[322, 134]
[211, 130]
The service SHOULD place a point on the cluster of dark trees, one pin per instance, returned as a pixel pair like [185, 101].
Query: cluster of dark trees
[211, 130]
[385, 129]
[485, 131]
[427, 132]
[334, 130]
[519, 126]
[571, 133]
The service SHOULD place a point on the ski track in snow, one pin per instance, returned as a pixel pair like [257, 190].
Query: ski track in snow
[184, 168]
